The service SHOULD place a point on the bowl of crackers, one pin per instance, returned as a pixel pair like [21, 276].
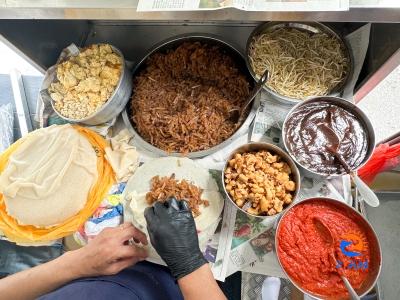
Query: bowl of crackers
[261, 179]
[91, 86]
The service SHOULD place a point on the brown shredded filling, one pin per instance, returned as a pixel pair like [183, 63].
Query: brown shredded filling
[183, 99]
[163, 188]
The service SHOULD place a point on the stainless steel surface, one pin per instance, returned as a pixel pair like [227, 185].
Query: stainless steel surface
[171, 43]
[114, 105]
[375, 263]
[21, 104]
[360, 11]
[392, 63]
[22, 54]
[251, 147]
[380, 99]
[385, 220]
[346, 105]
[313, 27]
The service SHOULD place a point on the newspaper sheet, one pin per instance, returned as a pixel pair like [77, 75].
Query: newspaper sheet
[248, 5]
[252, 248]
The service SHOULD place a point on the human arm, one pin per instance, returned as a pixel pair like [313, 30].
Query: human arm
[173, 234]
[107, 254]
[200, 284]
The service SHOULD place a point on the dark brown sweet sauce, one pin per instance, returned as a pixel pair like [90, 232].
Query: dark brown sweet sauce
[307, 137]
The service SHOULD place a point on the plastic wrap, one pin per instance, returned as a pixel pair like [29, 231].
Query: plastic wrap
[6, 126]
[385, 157]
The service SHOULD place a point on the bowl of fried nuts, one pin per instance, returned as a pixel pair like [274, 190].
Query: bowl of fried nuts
[261, 179]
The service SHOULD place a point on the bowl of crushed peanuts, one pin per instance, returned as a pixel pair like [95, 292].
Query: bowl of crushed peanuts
[261, 179]
[91, 87]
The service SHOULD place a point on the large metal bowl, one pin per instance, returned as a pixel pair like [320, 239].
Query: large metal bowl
[173, 43]
[114, 105]
[313, 27]
[375, 263]
[252, 147]
[346, 105]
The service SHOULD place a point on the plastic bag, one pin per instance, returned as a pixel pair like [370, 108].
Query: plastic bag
[6, 126]
[385, 157]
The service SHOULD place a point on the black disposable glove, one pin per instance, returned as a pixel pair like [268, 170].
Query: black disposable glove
[173, 234]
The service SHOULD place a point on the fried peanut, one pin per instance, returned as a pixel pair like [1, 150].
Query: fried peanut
[290, 186]
[262, 178]
[253, 211]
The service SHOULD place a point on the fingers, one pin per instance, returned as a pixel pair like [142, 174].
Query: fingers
[159, 208]
[173, 204]
[149, 213]
[119, 265]
[183, 205]
[129, 231]
[129, 251]
[151, 220]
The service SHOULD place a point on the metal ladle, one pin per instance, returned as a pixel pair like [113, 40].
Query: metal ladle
[237, 114]
[332, 146]
[326, 234]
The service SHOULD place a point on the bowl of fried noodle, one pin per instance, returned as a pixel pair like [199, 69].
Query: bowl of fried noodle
[304, 60]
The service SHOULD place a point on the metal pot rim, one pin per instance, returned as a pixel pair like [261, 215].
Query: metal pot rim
[335, 202]
[318, 26]
[359, 113]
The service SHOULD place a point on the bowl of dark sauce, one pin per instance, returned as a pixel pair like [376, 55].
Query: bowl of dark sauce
[307, 130]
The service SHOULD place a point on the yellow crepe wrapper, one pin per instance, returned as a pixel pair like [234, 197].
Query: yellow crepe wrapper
[29, 234]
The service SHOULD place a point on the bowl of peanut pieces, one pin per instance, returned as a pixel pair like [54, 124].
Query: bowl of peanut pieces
[261, 179]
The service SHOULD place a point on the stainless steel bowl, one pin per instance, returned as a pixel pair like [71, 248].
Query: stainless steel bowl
[114, 105]
[375, 263]
[172, 43]
[252, 147]
[346, 105]
[313, 27]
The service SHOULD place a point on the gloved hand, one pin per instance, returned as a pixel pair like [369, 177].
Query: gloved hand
[173, 234]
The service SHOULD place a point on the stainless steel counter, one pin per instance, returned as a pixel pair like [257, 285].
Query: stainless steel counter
[385, 220]
[360, 11]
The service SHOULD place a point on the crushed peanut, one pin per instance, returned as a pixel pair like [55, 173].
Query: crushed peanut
[262, 178]
[86, 81]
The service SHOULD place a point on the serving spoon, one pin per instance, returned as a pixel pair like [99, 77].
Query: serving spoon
[237, 114]
[326, 234]
[332, 146]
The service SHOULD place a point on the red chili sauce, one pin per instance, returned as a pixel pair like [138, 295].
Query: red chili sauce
[304, 251]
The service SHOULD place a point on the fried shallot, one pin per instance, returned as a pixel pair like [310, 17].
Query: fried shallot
[183, 99]
[163, 188]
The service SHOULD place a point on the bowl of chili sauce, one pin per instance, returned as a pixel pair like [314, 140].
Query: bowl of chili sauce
[305, 256]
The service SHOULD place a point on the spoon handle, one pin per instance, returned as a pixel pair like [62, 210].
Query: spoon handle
[368, 195]
[352, 292]
[259, 85]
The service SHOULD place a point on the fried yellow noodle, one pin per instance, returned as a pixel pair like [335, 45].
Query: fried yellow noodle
[300, 63]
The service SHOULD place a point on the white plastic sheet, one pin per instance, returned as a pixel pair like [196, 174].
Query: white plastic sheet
[6, 126]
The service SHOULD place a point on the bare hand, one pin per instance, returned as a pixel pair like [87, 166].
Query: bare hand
[110, 252]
